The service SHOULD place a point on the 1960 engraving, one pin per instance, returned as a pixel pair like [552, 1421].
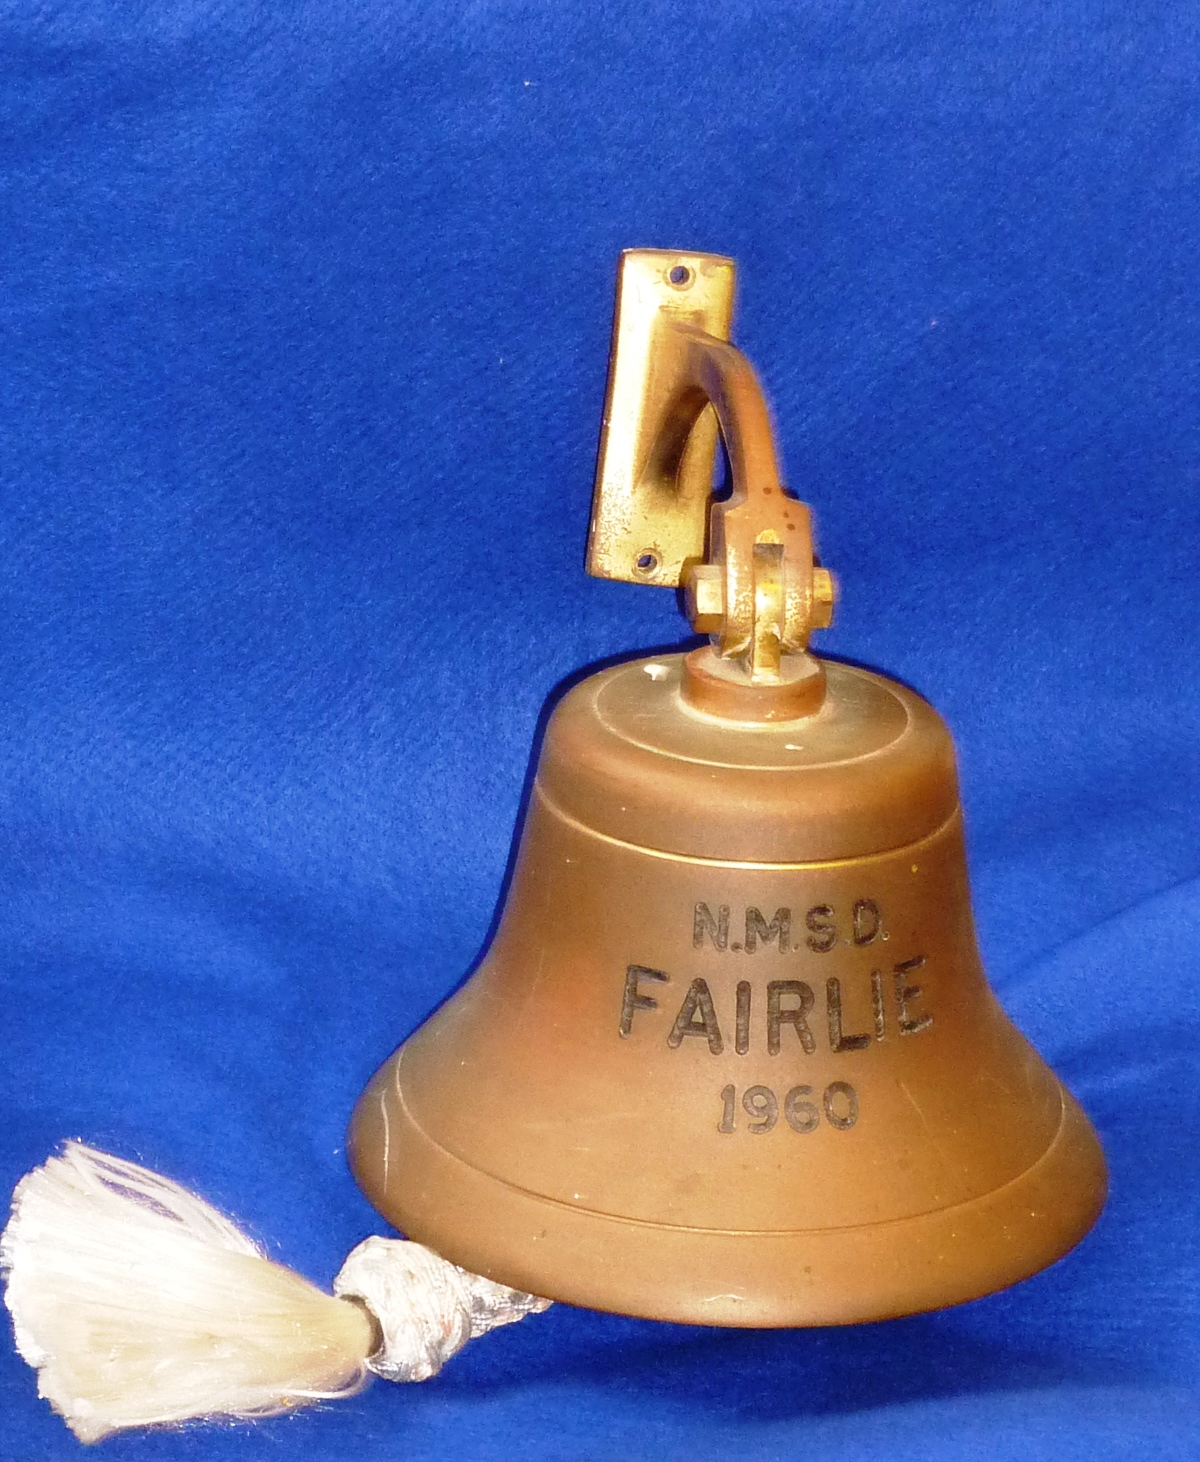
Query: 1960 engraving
[839, 1102]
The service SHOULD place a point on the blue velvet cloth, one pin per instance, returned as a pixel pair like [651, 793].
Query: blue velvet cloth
[306, 317]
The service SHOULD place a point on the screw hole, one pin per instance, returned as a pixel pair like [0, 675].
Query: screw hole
[646, 562]
[680, 276]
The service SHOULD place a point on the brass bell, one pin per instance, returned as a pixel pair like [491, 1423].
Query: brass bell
[732, 1058]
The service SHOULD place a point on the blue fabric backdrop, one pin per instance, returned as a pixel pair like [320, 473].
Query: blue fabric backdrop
[306, 312]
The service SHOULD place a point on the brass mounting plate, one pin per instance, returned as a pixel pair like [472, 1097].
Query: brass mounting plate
[650, 516]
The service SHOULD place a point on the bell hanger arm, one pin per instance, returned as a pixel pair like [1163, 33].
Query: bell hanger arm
[674, 381]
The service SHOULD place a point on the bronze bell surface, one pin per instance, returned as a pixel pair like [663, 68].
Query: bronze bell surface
[732, 1058]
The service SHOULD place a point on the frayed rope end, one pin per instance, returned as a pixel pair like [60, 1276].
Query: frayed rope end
[140, 1304]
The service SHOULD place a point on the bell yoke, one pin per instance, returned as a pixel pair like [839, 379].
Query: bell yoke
[732, 1057]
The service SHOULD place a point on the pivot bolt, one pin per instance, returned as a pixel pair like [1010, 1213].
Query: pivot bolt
[824, 597]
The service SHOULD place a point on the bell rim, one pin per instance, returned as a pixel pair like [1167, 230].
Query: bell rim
[855, 1274]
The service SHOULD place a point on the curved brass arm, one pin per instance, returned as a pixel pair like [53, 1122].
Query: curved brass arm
[756, 592]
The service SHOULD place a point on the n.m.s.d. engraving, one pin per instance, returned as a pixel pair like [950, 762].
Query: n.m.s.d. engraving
[825, 928]
[716, 929]
[777, 931]
[859, 1009]
[839, 1102]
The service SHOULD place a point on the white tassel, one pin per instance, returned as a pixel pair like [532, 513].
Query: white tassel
[140, 1304]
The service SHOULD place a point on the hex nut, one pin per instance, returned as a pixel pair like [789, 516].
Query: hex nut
[705, 597]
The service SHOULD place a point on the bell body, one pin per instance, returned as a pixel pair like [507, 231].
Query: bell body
[732, 1058]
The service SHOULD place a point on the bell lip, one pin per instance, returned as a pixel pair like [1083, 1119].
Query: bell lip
[768, 1279]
